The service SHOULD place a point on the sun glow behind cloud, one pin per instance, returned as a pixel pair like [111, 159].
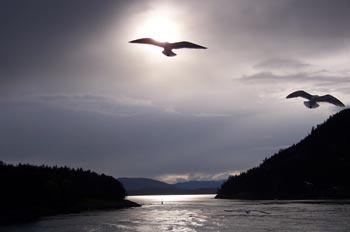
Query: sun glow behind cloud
[175, 178]
[158, 23]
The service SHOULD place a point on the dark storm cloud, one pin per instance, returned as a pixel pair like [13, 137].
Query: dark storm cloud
[40, 39]
[42, 26]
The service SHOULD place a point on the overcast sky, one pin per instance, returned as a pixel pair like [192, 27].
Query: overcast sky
[74, 92]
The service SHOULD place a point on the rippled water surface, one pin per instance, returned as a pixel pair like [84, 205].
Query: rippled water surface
[203, 213]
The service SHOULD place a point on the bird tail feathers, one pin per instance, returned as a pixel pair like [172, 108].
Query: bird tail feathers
[169, 53]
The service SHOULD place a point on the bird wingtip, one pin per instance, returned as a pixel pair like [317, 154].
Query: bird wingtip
[134, 41]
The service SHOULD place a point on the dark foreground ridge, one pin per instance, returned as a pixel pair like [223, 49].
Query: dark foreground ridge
[29, 192]
[318, 167]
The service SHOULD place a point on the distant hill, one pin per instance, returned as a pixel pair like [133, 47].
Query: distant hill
[318, 167]
[195, 184]
[146, 186]
[29, 192]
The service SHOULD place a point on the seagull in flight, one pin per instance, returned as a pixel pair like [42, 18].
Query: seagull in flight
[168, 47]
[314, 99]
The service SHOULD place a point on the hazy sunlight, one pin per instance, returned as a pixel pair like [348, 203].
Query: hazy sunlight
[158, 24]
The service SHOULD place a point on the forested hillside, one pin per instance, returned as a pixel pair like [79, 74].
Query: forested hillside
[317, 167]
[28, 192]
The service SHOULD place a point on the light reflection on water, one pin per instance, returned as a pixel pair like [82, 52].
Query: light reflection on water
[189, 213]
[154, 199]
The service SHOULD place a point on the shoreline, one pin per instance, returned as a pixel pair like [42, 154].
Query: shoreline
[25, 215]
[252, 197]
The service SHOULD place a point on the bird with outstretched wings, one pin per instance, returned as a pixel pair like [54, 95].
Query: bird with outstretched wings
[314, 99]
[168, 46]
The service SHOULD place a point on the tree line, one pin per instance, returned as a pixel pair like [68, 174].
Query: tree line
[29, 191]
[317, 167]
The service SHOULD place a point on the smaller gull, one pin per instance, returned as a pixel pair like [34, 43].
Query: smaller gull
[314, 99]
[168, 46]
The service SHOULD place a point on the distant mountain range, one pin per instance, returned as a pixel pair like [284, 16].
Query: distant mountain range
[146, 186]
[195, 184]
[318, 167]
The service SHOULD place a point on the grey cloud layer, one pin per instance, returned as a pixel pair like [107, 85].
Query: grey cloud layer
[313, 26]
[46, 133]
[290, 72]
[73, 92]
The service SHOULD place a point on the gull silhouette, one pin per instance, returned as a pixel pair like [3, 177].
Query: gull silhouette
[314, 99]
[168, 47]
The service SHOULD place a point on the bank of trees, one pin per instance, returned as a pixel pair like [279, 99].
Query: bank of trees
[317, 167]
[29, 191]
